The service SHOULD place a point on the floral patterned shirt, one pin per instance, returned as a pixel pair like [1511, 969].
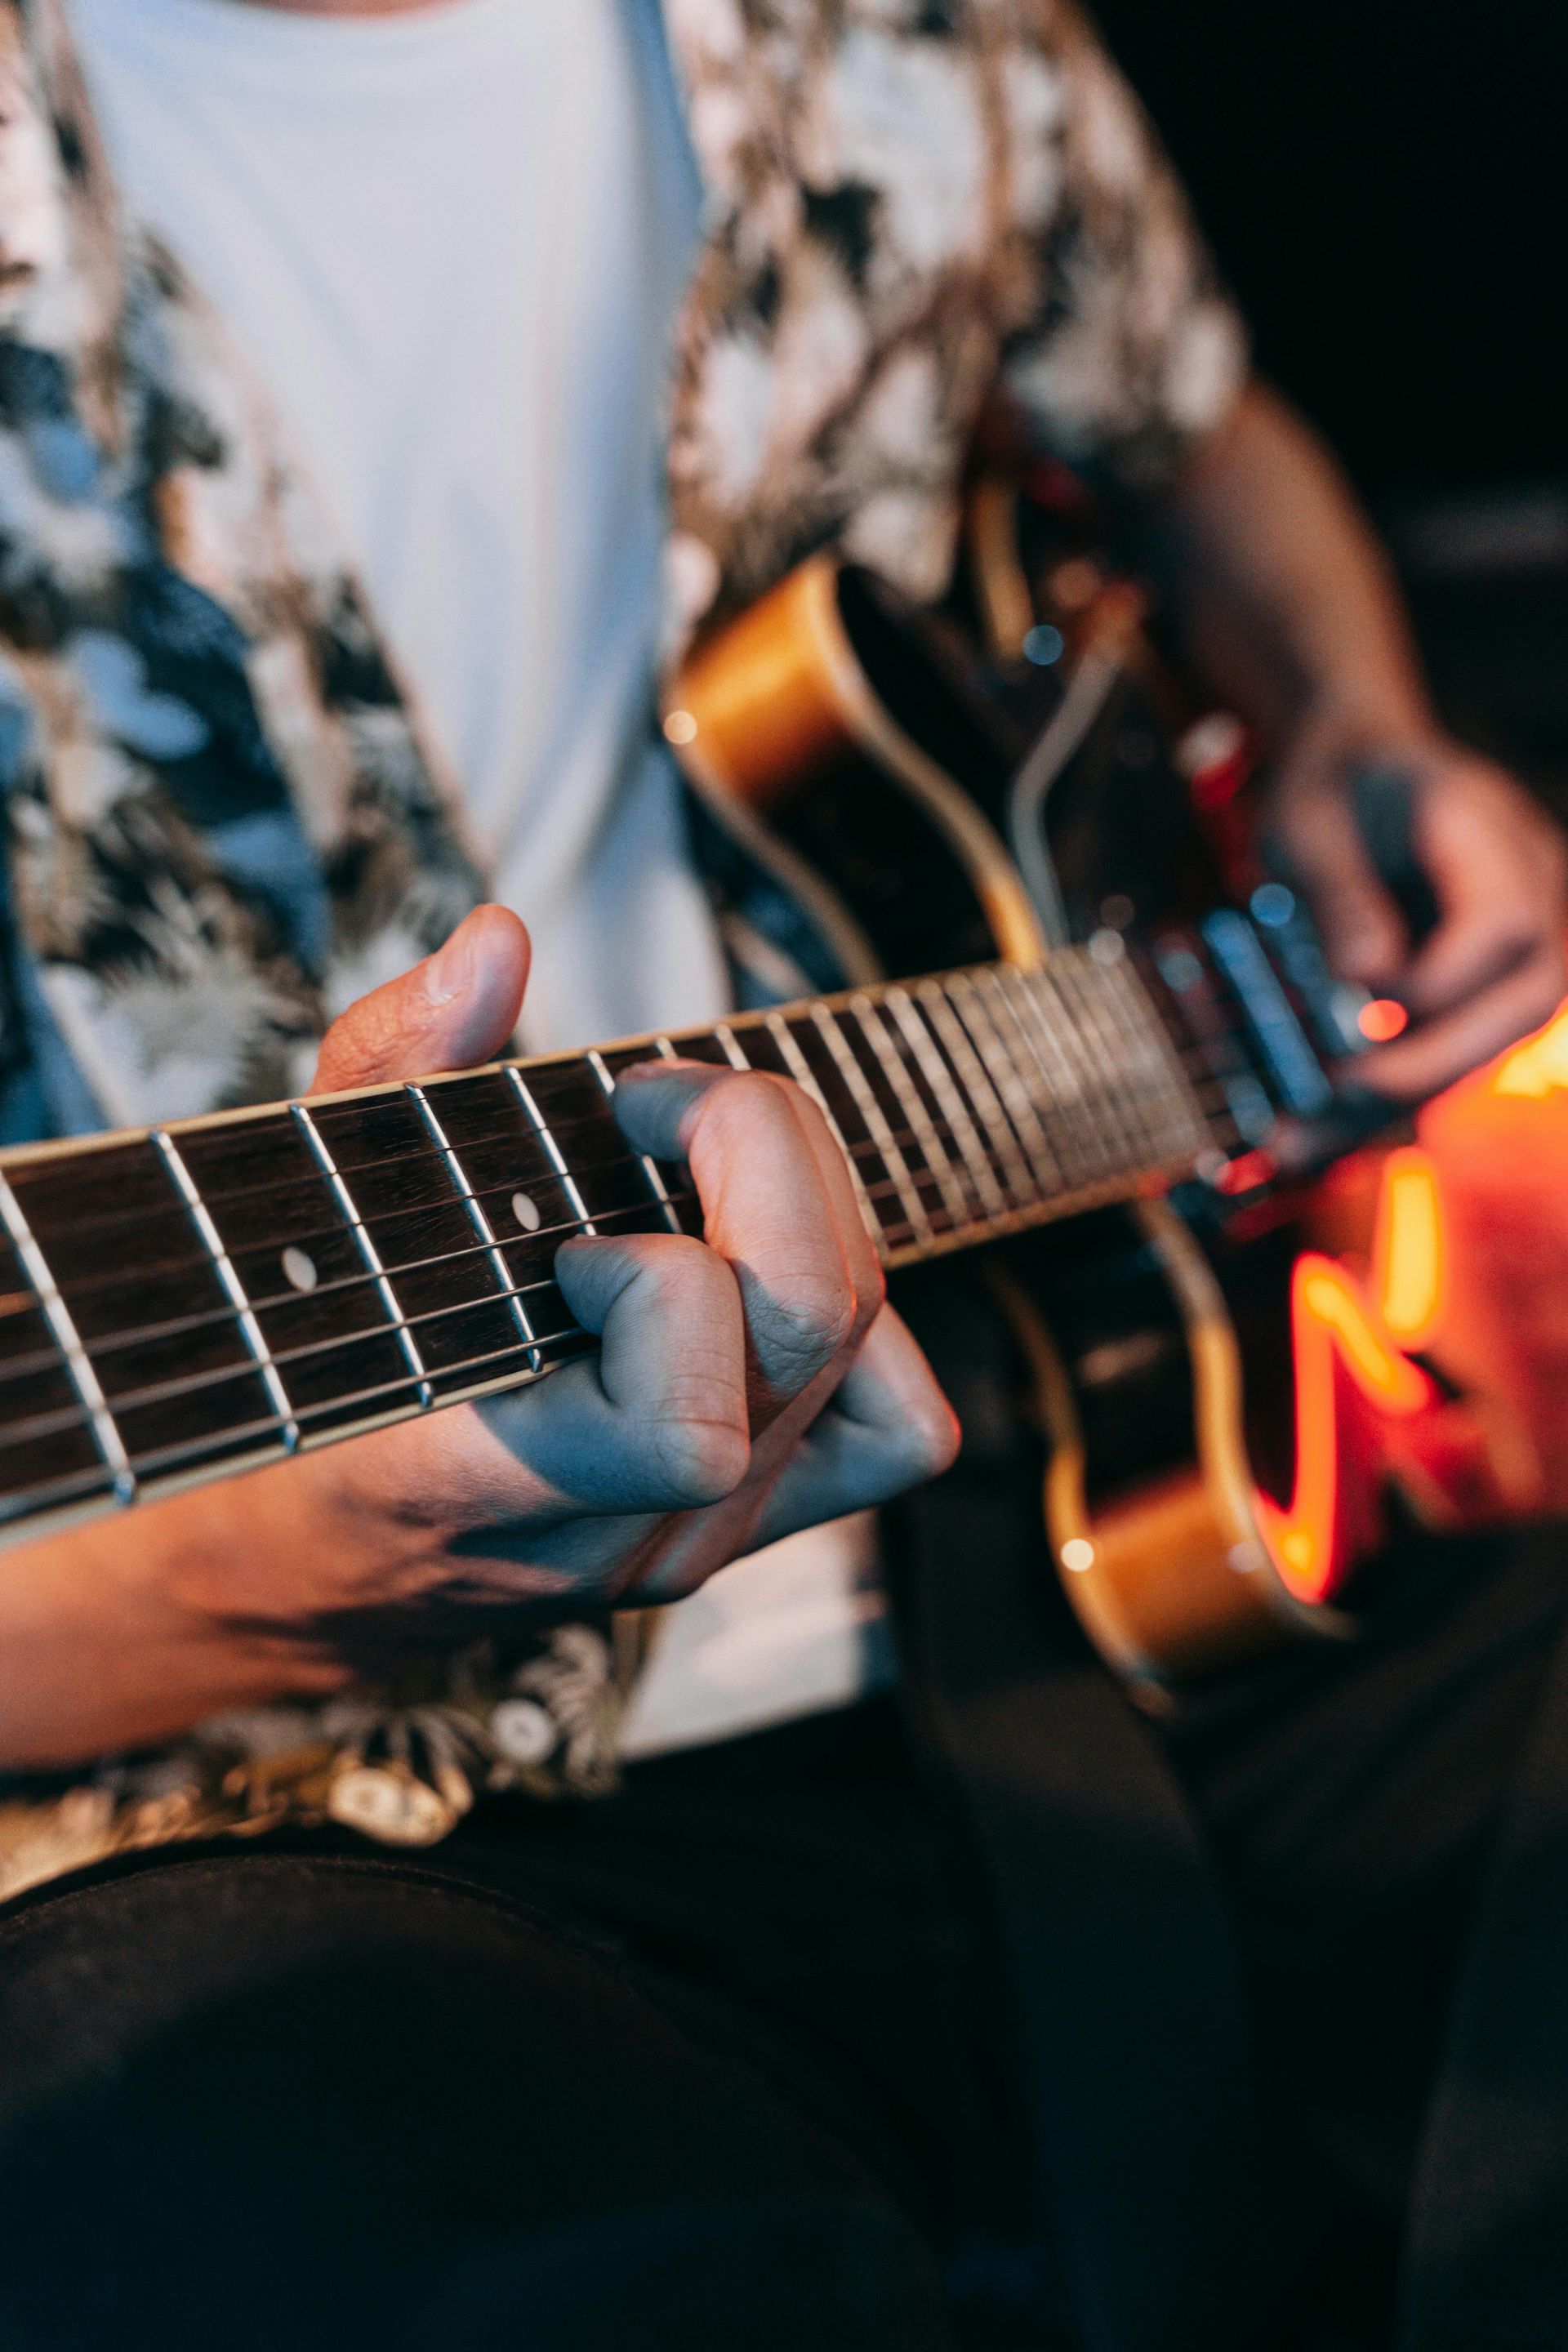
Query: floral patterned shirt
[221, 823]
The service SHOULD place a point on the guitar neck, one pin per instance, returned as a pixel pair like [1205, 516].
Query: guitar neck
[213, 1295]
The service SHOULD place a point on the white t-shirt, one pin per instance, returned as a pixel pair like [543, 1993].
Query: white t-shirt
[453, 241]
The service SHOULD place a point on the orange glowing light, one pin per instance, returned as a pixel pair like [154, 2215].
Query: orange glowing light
[1328, 1324]
[1539, 1066]
[1383, 1018]
[1410, 1274]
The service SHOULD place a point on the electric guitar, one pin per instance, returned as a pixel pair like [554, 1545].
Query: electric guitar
[1248, 1376]
[1063, 1069]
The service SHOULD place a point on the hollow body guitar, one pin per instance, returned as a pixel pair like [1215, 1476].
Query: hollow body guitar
[1233, 1424]
[1059, 1069]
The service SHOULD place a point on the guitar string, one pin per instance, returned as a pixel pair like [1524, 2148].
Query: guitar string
[941, 1222]
[187, 1456]
[213, 1441]
[144, 1333]
[1153, 1146]
[244, 1368]
[207, 1446]
[131, 1335]
[108, 1343]
[125, 1226]
[34, 1426]
[1207, 1093]
[895, 1233]
[937, 1220]
[301, 1237]
[892, 1233]
[1161, 1098]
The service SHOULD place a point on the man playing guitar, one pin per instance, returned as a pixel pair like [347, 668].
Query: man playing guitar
[712, 2046]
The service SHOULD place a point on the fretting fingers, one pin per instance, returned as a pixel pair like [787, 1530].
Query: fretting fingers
[778, 1206]
[658, 1422]
[888, 1428]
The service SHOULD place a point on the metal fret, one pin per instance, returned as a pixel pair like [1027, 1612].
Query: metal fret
[600, 1069]
[68, 1339]
[370, 1255]
[735, 1054]
[1082, 981]
[955, 1038]
[970, 1002]
[1053, 1027]
[874, 1029]
[955, 1109]
[1080, 1144]
[536, 1119]
[1050, 1025]
[244, 1313]
[480, 1223]
[1181, 1119]
[800, 1070]
[1039, 1083]
[876, 1126]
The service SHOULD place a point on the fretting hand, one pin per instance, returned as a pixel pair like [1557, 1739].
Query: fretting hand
[745, 1385]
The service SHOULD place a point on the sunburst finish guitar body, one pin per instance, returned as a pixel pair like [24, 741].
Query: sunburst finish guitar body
[1228, 1375]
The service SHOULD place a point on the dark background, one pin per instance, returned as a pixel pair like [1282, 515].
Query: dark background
[1386, 189]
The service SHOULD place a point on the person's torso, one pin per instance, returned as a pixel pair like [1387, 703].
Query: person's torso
[222, 824]
[452, 243]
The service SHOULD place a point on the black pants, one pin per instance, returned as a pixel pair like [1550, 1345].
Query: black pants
[1351, 1803]
[700, 2066]
[719, 2061]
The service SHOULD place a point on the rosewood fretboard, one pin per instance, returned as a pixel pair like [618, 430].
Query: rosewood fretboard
[206, 1297]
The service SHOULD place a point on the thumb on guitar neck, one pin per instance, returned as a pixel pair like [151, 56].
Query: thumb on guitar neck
[457, 1007]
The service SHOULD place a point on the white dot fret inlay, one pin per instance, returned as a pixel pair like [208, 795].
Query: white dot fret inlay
[540, 1125]
[370, 1255]
[299, 1269]
[478, 1219]
[526, 1212]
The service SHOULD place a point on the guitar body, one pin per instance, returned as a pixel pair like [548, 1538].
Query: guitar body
[1230, 1431]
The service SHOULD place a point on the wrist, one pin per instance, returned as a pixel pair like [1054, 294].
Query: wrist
[1338, 732]
[110, 1640]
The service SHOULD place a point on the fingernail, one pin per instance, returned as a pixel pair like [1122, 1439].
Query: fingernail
[451, 971]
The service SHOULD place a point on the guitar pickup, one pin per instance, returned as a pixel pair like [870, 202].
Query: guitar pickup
[1299, 1079]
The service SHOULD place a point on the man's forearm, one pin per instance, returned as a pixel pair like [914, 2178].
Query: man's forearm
[109, 1640]
[1285, 603]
